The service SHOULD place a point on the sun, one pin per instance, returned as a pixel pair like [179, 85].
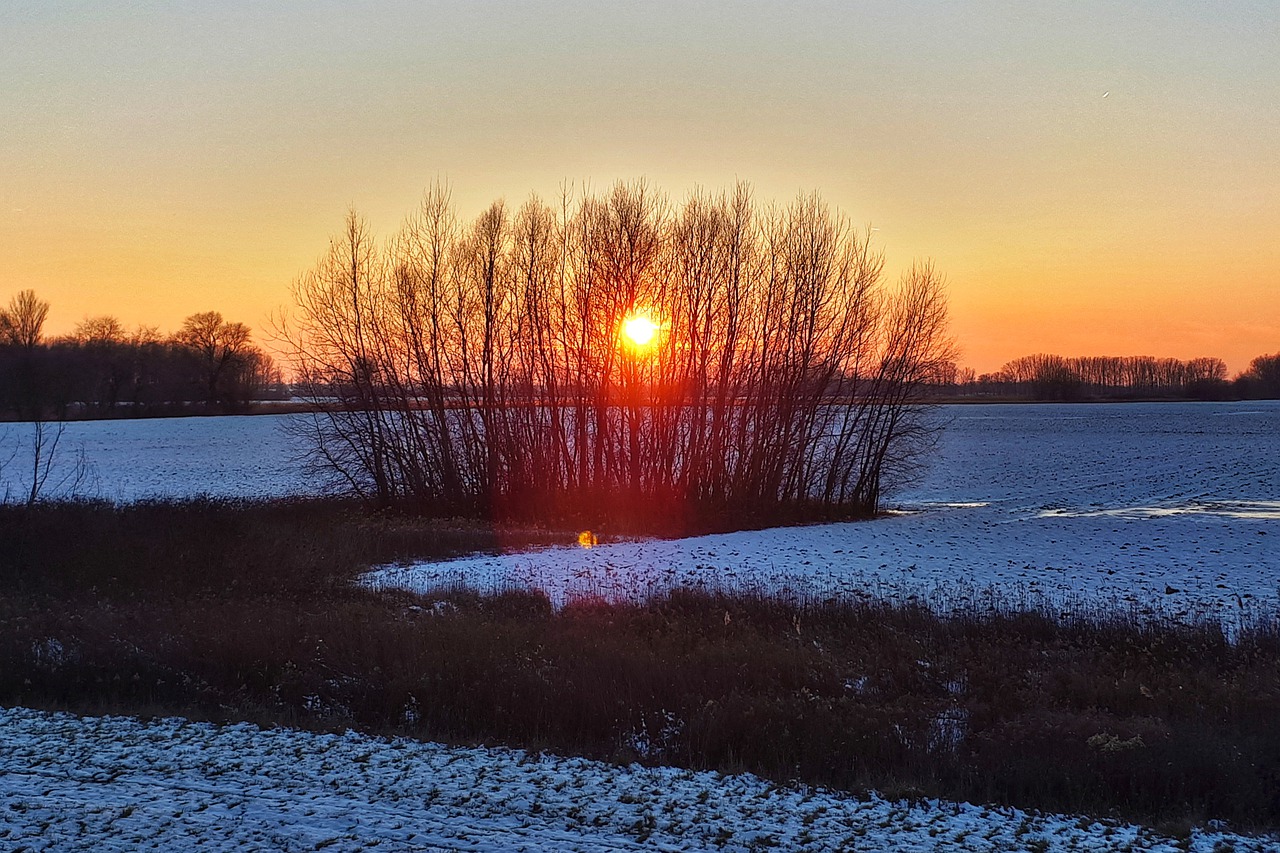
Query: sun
[640, 330]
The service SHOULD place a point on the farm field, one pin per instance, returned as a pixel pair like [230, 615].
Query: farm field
[1162, 511]
[1165, 507]
[1168, 509]
[640, 426]
[116, 784]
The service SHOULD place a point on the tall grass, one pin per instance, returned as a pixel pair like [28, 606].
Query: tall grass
[246, 612]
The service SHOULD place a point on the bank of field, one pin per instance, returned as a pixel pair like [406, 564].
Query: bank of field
[72, 783]
[249, 611]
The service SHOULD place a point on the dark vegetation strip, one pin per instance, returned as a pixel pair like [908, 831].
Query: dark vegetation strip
[246, 611]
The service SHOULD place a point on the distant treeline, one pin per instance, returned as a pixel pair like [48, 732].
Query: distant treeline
[1142, 377]
[209, 365]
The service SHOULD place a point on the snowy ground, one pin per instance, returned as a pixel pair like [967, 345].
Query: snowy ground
[947, 557]
[1163, 506]
[106, 784]
[1157, 508]
[130, 460]
[1174, 508]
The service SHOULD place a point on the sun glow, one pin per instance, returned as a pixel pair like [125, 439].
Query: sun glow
[640, 330]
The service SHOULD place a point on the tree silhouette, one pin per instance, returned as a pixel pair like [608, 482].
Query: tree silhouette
[485, 367]
[22, 322]
[221, 353]
[1262, 379]
[99, 330]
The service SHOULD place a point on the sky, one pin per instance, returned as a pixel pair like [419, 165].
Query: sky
[1093, 178]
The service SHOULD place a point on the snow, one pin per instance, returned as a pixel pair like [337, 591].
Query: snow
[945, 557]
[137, 459]
[105, 784]
[1158, 508]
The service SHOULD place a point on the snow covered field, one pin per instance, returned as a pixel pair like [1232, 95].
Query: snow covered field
[72, 783]
[1152, 507]
[1157, 506]
[1170, 508]
[129, 460]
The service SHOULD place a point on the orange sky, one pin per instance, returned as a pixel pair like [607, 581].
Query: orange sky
[1093, 178]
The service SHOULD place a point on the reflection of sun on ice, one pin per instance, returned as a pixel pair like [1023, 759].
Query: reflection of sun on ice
[639, 330]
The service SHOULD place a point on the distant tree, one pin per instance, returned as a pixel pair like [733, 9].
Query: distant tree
[947, 373]
[144, 335]
[101, 369]
[1052, 377]
[1045, 376]
[1206, 379]
[99, 330]
[225, 362]
[22, 322]
[1210, 369]
[24, 386]
[1262, 379]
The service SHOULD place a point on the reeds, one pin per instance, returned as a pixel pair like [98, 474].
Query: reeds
[248, 612]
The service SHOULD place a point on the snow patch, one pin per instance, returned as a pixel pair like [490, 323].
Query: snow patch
[105, 784]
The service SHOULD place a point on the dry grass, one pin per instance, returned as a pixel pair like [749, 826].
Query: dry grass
[246, 612]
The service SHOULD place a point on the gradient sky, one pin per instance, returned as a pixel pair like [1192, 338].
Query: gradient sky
[1092, 177]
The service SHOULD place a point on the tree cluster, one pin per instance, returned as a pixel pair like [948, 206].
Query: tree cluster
[100, 370]
[1262, 380]
[1053, 377]
[484, 364]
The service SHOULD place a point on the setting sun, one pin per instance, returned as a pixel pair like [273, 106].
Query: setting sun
[640, 330]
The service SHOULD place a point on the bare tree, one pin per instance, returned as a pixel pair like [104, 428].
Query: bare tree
[228, 364]
[916, 349]
[99, 330]
[333, 344]
[1262, 379]
[21, 324]
[486, 366]
[42, 464]
[45, 439]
